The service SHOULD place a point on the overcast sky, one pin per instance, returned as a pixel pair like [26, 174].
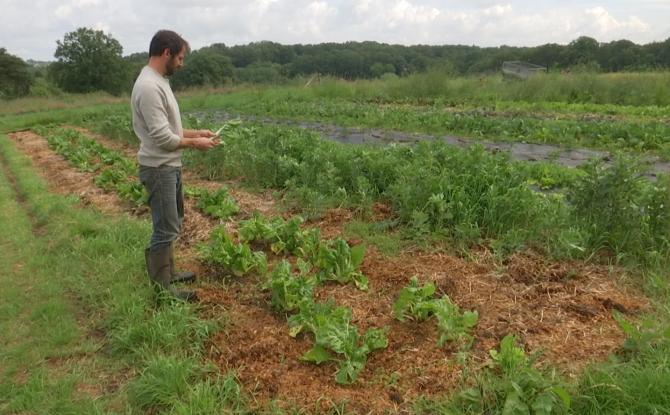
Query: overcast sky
[30, 28]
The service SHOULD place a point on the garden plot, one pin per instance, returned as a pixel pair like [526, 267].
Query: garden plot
[562, 309]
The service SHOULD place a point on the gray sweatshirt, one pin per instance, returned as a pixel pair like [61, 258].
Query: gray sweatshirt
[156, 120]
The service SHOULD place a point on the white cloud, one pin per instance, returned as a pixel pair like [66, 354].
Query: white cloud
[605, 23]
[406, 12]
[84, 3]
[101, 26]
[498, 10]
[63, 11]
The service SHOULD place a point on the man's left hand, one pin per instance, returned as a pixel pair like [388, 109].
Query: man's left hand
[206, 133]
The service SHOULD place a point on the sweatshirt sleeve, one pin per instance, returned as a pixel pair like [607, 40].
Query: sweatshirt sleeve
[153, 109]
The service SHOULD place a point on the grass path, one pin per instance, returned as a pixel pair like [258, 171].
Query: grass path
[50, 351]
[81, 333]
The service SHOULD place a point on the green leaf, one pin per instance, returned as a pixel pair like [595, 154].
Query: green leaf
[317, 354]
[470, 318]
[428, 290]
[357, 254]
[376, 339]
[563, 395]
[348, 372]
[543, 404]
[514, 405]
[360, 280]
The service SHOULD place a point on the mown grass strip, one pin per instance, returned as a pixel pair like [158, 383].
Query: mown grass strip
[90, 267]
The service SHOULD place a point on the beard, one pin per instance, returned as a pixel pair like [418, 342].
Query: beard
[171, 67]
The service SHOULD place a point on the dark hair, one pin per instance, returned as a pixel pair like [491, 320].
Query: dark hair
[167, 39]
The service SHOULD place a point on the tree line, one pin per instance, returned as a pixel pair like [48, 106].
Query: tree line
[88, 60]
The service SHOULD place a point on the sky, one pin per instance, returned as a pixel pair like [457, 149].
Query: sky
[30, 28]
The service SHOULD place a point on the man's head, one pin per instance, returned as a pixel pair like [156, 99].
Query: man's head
[167, 50]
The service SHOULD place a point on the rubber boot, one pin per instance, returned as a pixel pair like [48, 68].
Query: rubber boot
[158, 268]
[179, 276]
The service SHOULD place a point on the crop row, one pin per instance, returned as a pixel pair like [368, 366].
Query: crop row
[542, 109]
[639, 135]
[509, 377]
[113, 171]
[335, 338]
[468, 196]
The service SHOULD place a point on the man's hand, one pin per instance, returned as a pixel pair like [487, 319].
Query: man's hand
[198, 133]
[206, 133]
[200, 143]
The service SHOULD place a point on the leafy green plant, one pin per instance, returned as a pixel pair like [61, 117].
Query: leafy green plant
[453, 325]
[109, 178]
[287, 235]
[337, 261]
[510, 384]
[334, 260]
[89, 155]
[236, 259]
[218, 204]
[71, 144]
[257, 229]
[334, 333]
[134, 192]
[283, 236]
[289, 291]
[417, 303]
[308, 246]
[414, 302]
[194, 191]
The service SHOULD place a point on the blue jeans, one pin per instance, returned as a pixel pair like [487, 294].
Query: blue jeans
[166, 200]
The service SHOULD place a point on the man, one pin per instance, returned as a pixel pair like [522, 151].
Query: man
[157, 124]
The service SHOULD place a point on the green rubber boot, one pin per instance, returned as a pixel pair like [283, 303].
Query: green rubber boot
[179, 276]
[158, 268]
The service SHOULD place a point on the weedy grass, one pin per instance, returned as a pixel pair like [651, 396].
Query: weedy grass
[39, 322]
[467, 196]
[61, 101]
[634, 381]
[574, 110]
[508, 384]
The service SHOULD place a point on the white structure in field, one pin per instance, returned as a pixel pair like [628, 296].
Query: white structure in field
[521, 70]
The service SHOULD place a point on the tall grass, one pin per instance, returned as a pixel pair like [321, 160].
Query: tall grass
[637, 89]
[59, 102]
